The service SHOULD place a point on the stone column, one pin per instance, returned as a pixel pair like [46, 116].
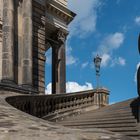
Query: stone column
[8, 42]
[55, 62]
[59, 65]
[26, 60]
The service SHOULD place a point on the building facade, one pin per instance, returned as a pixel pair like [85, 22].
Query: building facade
[28, 28]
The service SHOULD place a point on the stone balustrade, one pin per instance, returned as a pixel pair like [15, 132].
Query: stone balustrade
[42, 105]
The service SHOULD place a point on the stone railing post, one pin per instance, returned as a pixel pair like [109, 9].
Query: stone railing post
[8, 42]
[26, 60]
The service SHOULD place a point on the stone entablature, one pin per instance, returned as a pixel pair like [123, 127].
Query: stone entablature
[58, 15]
[62, 2]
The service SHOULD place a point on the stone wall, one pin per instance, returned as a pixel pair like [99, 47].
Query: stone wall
[1, 13]
[0, 48]
[39, 46]
[1, 8]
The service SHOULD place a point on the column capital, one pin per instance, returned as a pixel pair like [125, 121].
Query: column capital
[61, 36]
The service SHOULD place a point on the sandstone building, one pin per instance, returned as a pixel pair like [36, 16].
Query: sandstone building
[29, 28]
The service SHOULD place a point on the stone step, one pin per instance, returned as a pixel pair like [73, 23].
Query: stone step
[129, 131]
[83, 117]
[97, 119]
[131, 134]
[64, 113]
[123, 129]
[102, 126]
[101, 122]
[107, 112]
[122, 105]
[110, 110]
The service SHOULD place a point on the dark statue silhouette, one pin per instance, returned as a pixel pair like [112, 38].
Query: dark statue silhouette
[138, 72]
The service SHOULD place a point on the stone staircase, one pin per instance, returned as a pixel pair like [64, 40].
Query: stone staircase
[119, 118]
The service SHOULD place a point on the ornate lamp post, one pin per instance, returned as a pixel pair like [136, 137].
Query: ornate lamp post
[97, 62]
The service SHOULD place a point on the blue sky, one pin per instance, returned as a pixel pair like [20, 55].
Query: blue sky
[109, 28]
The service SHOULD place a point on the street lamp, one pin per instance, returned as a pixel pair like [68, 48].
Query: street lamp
[97, 62]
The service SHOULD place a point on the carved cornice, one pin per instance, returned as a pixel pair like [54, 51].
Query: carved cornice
[55, 9]
[62, 2]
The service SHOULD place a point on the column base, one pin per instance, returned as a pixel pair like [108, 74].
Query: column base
[16, 88]
[29, 87]
[7, 81]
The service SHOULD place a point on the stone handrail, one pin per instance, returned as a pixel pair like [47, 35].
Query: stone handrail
[42, 105]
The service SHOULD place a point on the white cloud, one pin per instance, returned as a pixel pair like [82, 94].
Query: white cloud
[109, 44]
[137, 20]
[70, 59]
[85, 21]
[84, 65]
[121, 61]
[71, 87]
[75, 87]
[48, 89]
[118, 61]
[135, 77]
[105, 59]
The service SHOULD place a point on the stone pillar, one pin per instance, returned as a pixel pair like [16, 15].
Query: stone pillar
[8, 42]
[55, 62]
[26, 60]
[62, 69]
[20, 40]
[59, 65]
[0, 51]
[1, 9]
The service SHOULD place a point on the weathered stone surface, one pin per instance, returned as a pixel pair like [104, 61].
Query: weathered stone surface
[17, 125]
[39, 46]
[27, 44]
[8, 41]
[120, 117]
[59, 64]
[0, 49]
[1, 9]
[26, 27]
